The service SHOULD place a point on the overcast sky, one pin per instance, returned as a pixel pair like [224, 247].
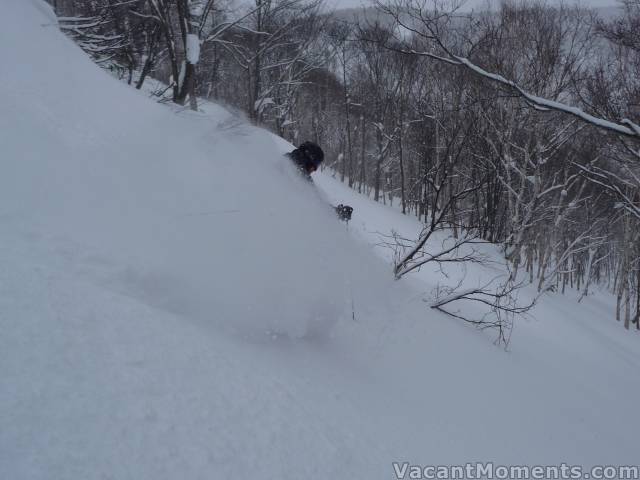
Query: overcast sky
[468, 6]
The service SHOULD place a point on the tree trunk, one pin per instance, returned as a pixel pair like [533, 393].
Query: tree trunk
[627, 302]
[637, 320]
[403, 198]
[378, 175]
[347, 117]
[146, 68]
[363, 178]
[188, 84]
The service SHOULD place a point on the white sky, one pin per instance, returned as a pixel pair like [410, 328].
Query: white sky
[471, 4]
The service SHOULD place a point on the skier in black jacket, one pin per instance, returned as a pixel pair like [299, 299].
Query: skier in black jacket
[308, 157]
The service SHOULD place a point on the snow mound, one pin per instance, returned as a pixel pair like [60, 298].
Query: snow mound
[196, 216]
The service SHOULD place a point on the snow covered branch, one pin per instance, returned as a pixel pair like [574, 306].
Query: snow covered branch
[430, 33]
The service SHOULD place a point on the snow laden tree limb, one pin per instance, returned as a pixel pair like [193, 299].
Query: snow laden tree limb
[623, 190]
[583, 242]
[274, 46]
[91, 35]
[219, 30]
[428, 30]
[626, 127]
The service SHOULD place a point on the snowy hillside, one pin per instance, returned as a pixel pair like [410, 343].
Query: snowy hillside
[175, 303]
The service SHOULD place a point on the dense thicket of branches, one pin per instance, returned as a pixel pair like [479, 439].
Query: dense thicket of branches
[463, 121]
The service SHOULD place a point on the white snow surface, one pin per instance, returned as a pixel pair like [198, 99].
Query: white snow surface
[175, 302]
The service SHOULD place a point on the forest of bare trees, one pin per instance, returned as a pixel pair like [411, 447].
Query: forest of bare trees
[517, 126]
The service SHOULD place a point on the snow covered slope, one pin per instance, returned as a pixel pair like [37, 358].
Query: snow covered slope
[176, 303]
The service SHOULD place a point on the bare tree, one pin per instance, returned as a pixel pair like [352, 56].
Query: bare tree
[427, 24]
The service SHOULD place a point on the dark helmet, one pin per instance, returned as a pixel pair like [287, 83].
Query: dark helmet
[312, 154]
